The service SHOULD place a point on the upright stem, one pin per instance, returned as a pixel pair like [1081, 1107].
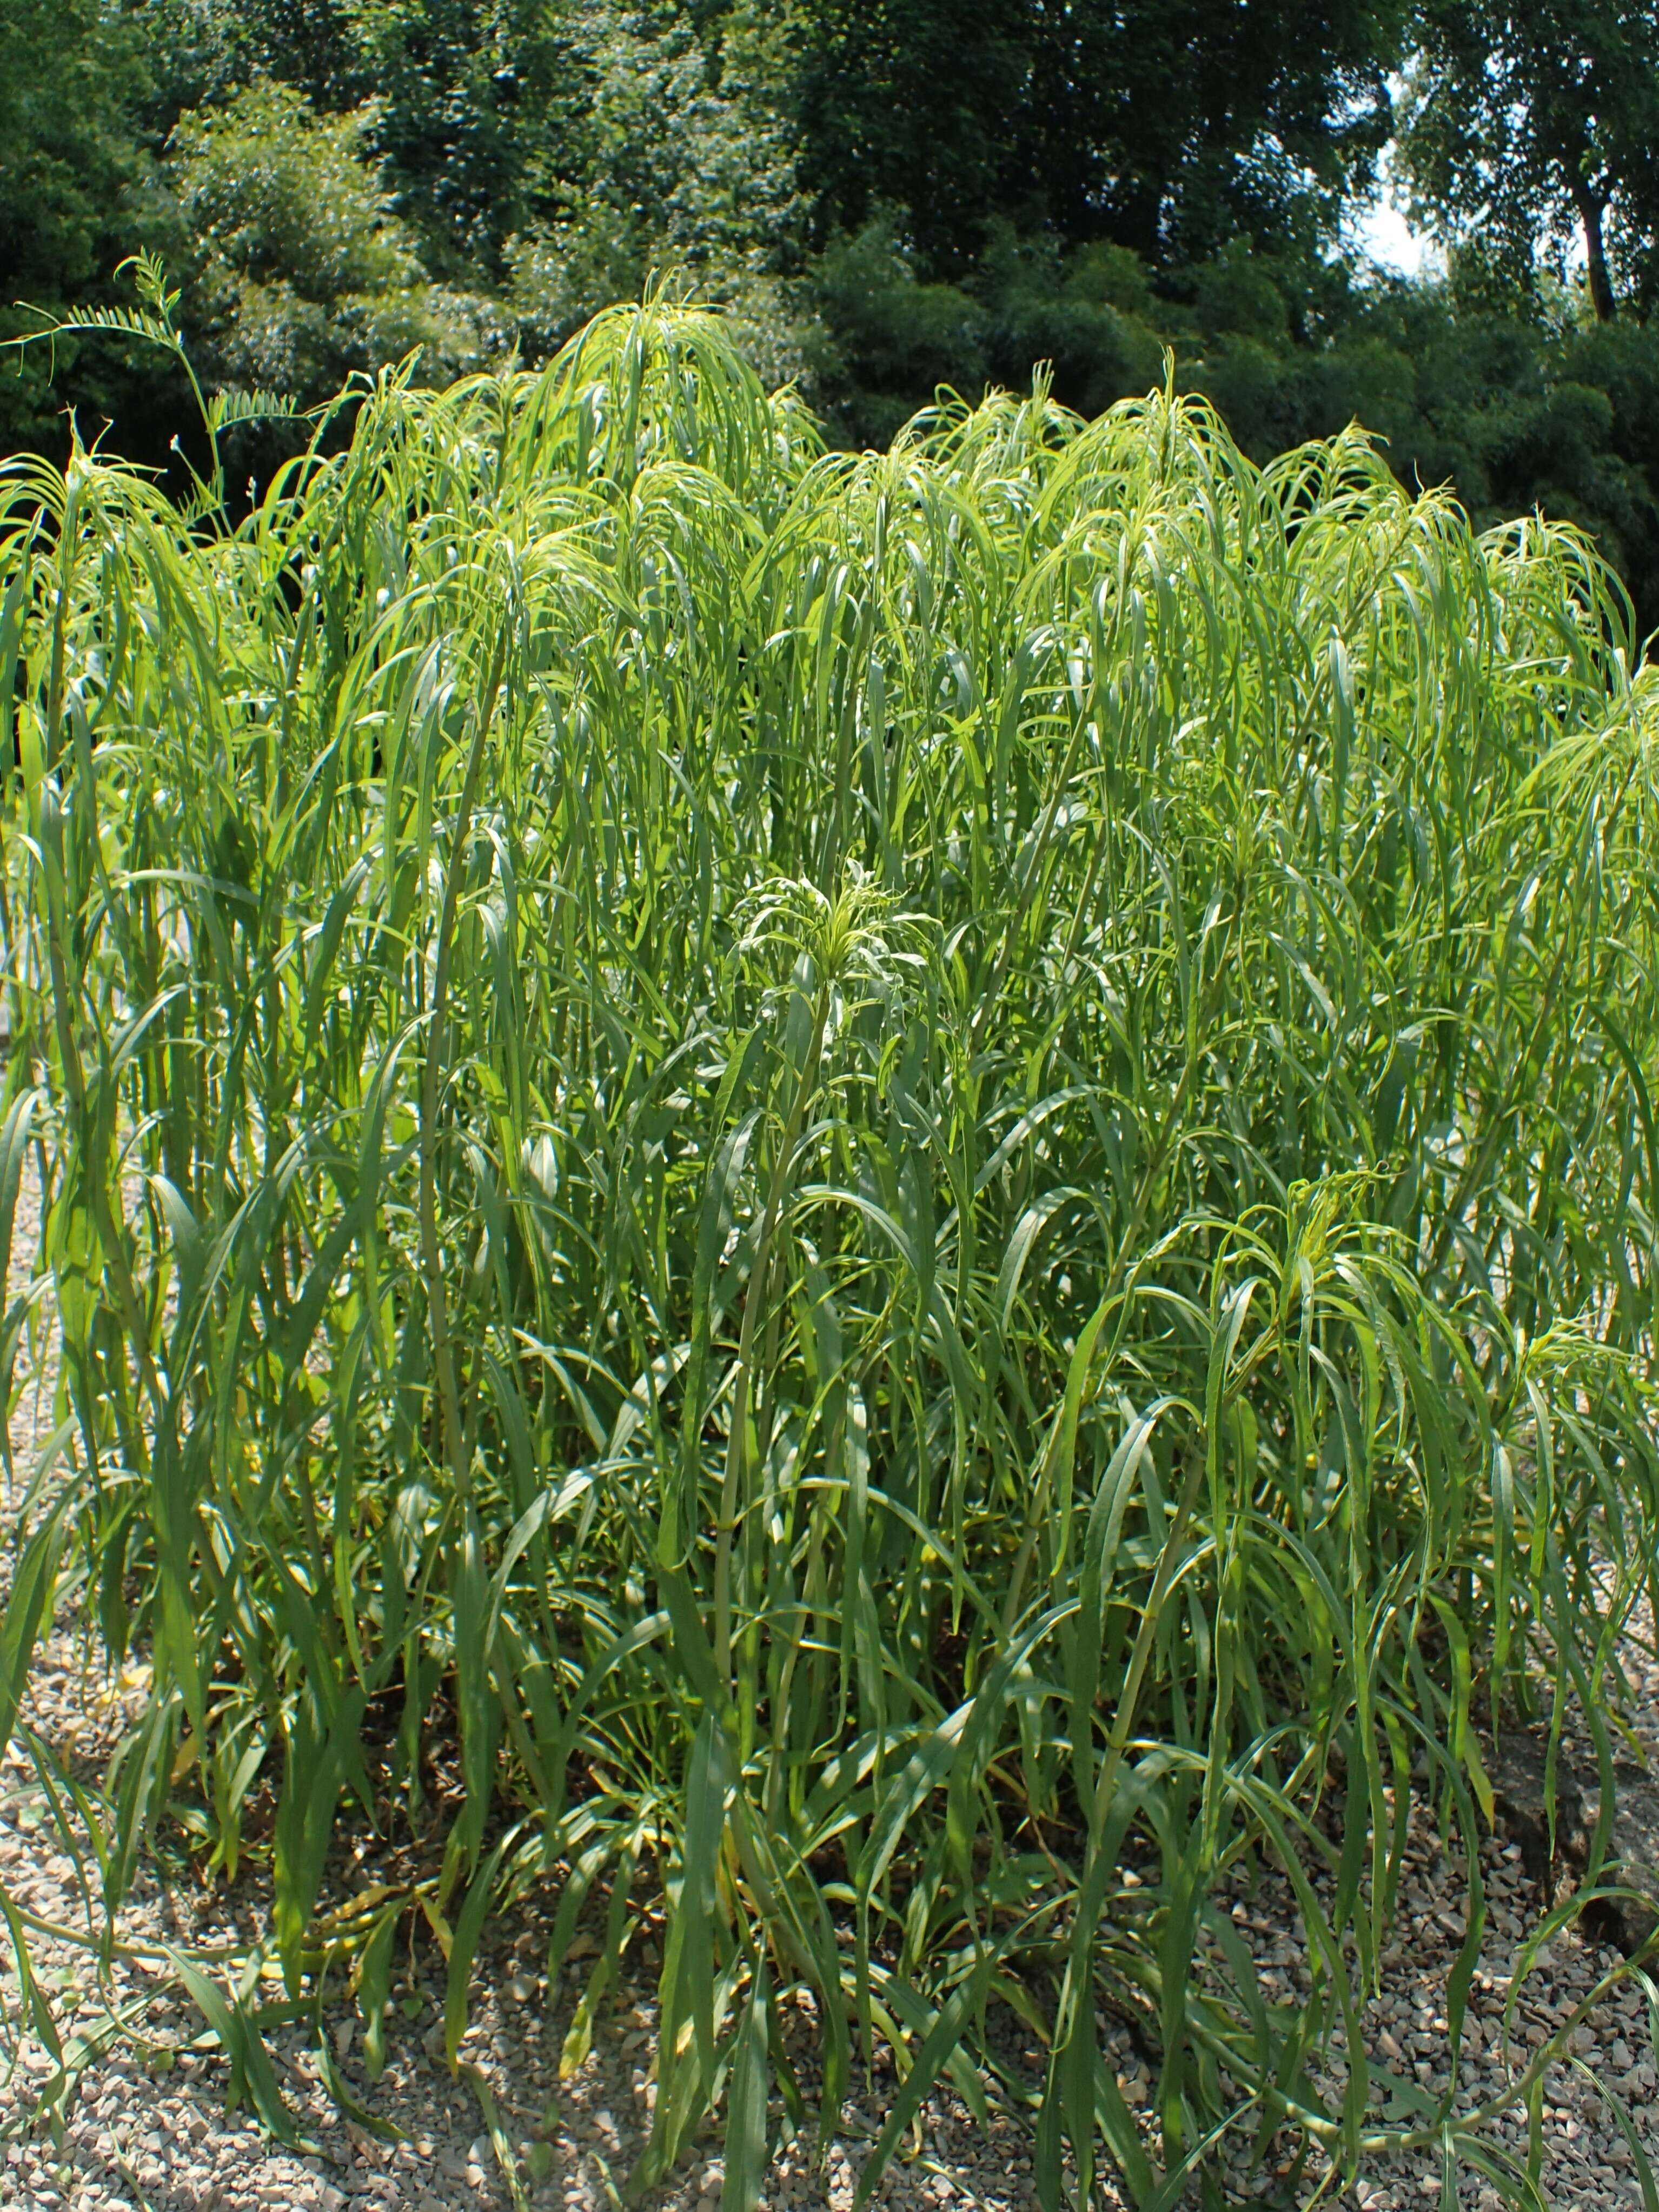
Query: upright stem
[455, 1450]
[737, 1449]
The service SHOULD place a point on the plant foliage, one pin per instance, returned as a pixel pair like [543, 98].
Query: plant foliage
[920, 1189]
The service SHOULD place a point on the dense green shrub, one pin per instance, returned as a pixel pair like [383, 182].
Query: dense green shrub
[67, 161]
[303, 272]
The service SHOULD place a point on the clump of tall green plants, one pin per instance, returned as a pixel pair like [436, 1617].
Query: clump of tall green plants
[916, 1189]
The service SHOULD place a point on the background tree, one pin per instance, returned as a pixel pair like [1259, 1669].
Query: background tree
[1168, 126]
[1529, 130]
[302, 271]
[474, 101]
[69, 158]
[672, 153]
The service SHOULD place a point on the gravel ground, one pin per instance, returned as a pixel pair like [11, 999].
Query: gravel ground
[149, 2129]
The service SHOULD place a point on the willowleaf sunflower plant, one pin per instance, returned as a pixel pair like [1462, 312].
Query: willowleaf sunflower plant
[918, 1186]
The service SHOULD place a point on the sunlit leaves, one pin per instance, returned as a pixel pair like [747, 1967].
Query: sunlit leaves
[837, 1198]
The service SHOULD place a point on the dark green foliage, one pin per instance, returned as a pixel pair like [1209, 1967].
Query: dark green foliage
[68, 162]
[674, 156]
[473, 100]
[303, 271]
[1168, 128]
[336, 186]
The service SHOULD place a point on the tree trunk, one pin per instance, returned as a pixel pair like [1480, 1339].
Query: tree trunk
[1590, 209]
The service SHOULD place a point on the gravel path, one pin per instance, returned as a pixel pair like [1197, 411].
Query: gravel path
[149, 2127]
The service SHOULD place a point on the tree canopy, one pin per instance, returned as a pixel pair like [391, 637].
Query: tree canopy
[1529, 132]
[1169, 129]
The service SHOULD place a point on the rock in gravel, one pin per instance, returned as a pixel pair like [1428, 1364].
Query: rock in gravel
[1633, 1864]
[1518, 1768]
[1517, 1771]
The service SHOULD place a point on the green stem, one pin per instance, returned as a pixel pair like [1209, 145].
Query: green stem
[737, 1450]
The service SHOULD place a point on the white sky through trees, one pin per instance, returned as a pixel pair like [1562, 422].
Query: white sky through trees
[1385, 234]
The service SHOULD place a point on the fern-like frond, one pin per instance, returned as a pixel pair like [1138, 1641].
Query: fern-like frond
[150, 278]
[228, 408]
[126, 322]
